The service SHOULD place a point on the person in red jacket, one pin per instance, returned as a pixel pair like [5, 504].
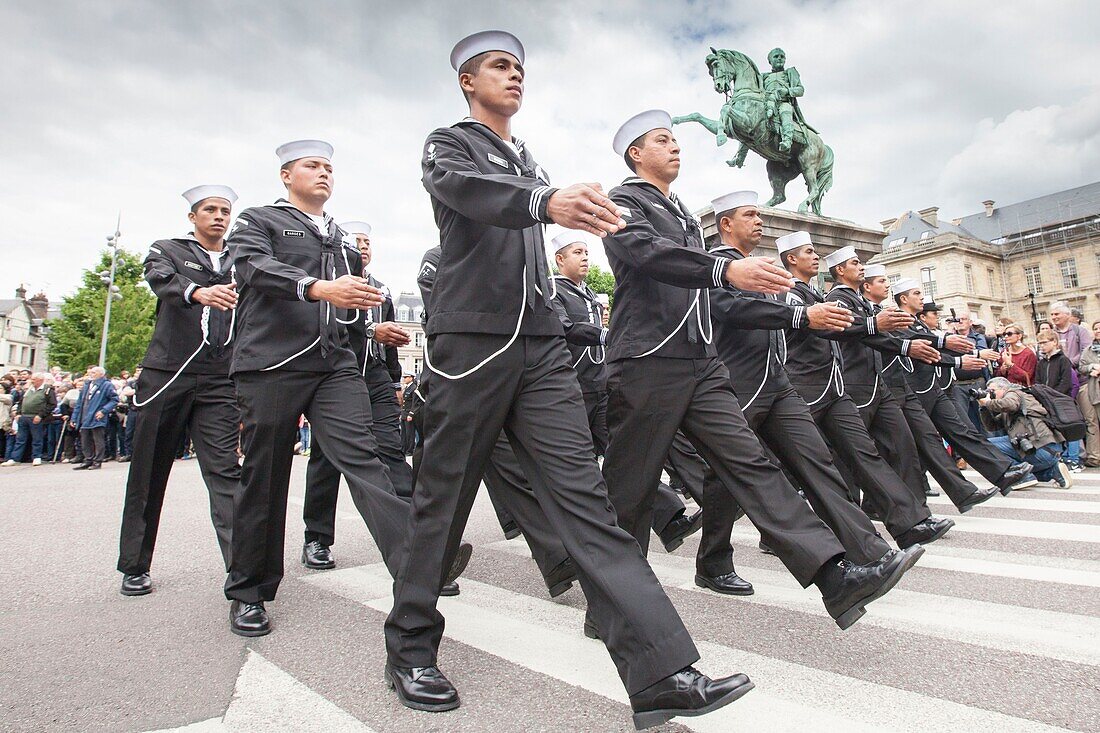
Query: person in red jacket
[1017, 360]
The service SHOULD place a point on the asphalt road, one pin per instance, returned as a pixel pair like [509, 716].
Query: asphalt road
[997, 629]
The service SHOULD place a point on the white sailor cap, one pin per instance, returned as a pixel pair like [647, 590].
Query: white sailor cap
[297, 149]
[870, 271]
[198, 193]
[734, 200]
[568, 237]
[638, 125]
[356, 227]
[794, 240]
[841, 256]
[484, 41]
[904, 285]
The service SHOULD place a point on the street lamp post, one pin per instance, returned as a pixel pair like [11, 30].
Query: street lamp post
[1034, 311]
[113, 294]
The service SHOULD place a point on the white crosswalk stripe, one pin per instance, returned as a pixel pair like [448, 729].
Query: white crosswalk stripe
[545, 637]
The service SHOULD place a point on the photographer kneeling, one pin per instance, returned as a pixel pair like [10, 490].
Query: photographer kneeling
[1007, 407]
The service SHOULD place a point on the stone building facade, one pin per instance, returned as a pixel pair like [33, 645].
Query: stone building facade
[1011, 262]
[23, 335]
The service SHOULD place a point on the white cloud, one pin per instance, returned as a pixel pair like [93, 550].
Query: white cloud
[126, 104]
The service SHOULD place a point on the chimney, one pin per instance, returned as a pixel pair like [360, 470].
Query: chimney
[988, 207]
[890, 225]
[930, 215]
[39, 305]
[21, 292]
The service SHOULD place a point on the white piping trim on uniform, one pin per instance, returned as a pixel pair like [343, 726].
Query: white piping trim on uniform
[204, 327]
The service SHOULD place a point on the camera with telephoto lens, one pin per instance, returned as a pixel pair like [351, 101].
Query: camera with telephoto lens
[977, 393]
[1023, 444]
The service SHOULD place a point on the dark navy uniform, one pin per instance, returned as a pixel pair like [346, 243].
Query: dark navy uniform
[749, 334]
[930, 448]
[956, 429]
[815, 366]
[293, 357]
[381, 371]
[664, 375]
[184, 385]
[862, 363]
[509, 491]
[500, 362]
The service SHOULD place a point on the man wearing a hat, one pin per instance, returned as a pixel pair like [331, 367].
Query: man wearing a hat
[584, 319]
[185, 382]
[815, 367]
[862, 368]
[374, 337]
[933, 458]
[957, 430]
[664, 376]
[749, 335]
[293, 357]
[500, 362]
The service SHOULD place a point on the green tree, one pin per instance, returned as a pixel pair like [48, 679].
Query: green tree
[601, 281]
[75, 336]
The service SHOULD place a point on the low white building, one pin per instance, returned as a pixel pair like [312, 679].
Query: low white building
[409, 310]
[23, 338]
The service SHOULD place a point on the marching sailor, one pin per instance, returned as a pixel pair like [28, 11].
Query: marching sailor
[749, 336]
[958, 431]
[499, 361]
[933, 458]
[664, 375]
[374, 337]
[814, 364]
[292, 357]
[184, 383]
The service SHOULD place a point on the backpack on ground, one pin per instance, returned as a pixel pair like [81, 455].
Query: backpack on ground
[1063, 415]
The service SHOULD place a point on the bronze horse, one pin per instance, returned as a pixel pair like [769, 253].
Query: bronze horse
[744, 117]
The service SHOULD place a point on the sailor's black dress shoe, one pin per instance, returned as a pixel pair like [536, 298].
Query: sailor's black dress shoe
[730, 584]
[136, 585]
[422, 688]
[686, 693]
[248, 619]
[679, 529]
[316, 556]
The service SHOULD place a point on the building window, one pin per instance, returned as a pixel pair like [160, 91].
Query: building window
[1069, 273]
[895, 243]
[418, 364]
[11, 355]
[968, 278]
[1034, 279]
[928, 281]
[992, 281]
[892, 279]
[403, 313]
[418, 339]
[926, 234]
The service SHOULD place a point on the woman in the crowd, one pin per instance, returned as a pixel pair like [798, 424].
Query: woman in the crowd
[1017, 362]
[1055, 371]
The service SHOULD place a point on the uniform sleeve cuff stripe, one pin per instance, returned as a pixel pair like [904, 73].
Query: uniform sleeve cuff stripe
[187, 293]
[303, 286]
[536, 201]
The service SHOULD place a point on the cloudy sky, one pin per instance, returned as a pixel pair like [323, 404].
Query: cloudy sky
[120, 106]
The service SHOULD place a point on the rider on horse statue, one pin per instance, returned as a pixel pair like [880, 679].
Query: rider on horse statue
[782, 87]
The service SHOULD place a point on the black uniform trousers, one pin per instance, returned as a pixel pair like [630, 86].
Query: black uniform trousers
[960, 434]
[322, 478]
[783, 423]
[338, 410]
[207, 403]
[930, 448]
[530, 392]
[649, 400]
[843, 427]
[899, 498]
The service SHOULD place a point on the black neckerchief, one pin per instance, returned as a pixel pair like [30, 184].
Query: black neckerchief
[695, 234]
[331, 244]
[537, 281]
